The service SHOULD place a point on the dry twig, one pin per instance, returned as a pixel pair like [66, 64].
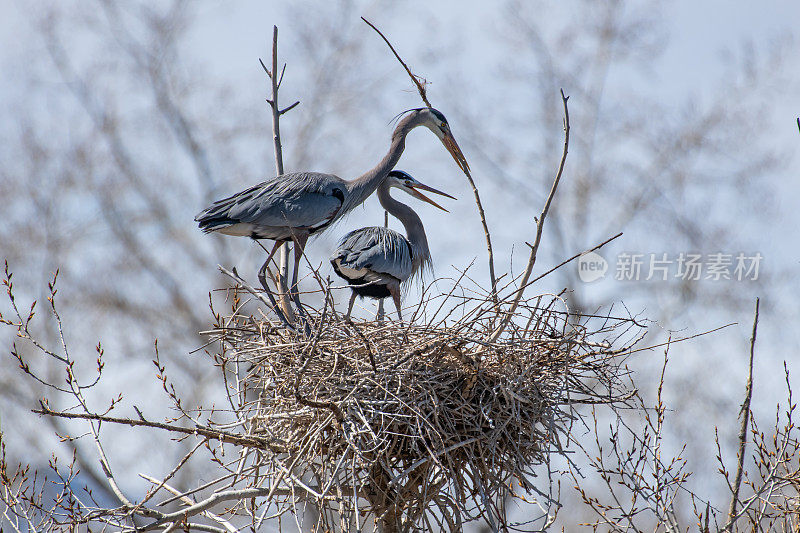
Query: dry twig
[539, 226]
[743, 438]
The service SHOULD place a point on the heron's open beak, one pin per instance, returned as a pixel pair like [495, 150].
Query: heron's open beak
[415, 192]
[452, 147]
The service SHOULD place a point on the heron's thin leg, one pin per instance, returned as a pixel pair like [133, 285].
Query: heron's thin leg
[395, 292]
[263, 279]
[350, 305]
[379, 314]
[262, 271]
[294, 290]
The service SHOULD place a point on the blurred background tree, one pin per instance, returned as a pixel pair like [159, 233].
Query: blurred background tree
[122, 120]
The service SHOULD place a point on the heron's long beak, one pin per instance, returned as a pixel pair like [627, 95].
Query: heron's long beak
[415, 192]
[452, 147]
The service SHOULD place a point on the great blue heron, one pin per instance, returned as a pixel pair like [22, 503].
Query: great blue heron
[293, 206]
[375, 261]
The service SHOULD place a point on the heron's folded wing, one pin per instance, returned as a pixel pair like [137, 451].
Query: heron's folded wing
[377, 249]
[299, 200]
[311, 210]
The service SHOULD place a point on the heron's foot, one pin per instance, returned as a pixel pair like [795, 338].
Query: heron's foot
[275, 307]
[306, 325]
[277, 310]
[301, 314]
[301, 311]
[294, 294]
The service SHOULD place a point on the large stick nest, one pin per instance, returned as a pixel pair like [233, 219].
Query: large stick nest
[409, 416]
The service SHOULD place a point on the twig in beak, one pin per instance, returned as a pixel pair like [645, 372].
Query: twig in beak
[416, 79]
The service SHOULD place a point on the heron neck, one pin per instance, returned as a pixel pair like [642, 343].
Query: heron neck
[361, 187]
[415, 231]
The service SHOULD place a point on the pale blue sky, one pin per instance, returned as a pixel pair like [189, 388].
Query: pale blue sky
[229, 37]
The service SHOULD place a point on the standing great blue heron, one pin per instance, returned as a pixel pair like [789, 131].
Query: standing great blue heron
[375, 261]
[291, 207]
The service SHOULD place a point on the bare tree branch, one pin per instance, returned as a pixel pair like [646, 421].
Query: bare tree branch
[206, 432]
[539, 227]
[419, 81]
[743, 438]
[185, 499]
[275, 79]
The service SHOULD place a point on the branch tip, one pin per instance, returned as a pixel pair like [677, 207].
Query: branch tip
[414, 78]
[265, 68]
[286, 109]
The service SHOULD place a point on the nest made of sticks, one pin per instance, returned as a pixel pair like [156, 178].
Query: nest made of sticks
[410, 416]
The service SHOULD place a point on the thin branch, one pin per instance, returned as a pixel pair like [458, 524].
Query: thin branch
[75, 388]
[205, 432]
[487, 235]
[539, 226]
[564, 262]
[249, 288]
[211, 501]
[680, 339]
[273, 102]
[275, 79]
[287, 109]
[163, 483]
[416, 79]
[745, 414]
[185, 499]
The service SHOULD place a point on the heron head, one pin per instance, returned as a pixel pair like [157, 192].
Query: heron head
[406, 182]
[434, 120]
[440, 127]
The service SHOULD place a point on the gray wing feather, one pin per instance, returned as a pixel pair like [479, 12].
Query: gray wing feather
[377, 249]
[300, 199]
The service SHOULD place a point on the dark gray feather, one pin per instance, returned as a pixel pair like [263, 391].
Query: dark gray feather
[307, 200]
[376, 249]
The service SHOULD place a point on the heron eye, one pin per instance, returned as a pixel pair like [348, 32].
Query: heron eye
[444, 125]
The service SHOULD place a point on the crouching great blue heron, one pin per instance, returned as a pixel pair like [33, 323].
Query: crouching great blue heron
[375, 261]
[291, 207]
